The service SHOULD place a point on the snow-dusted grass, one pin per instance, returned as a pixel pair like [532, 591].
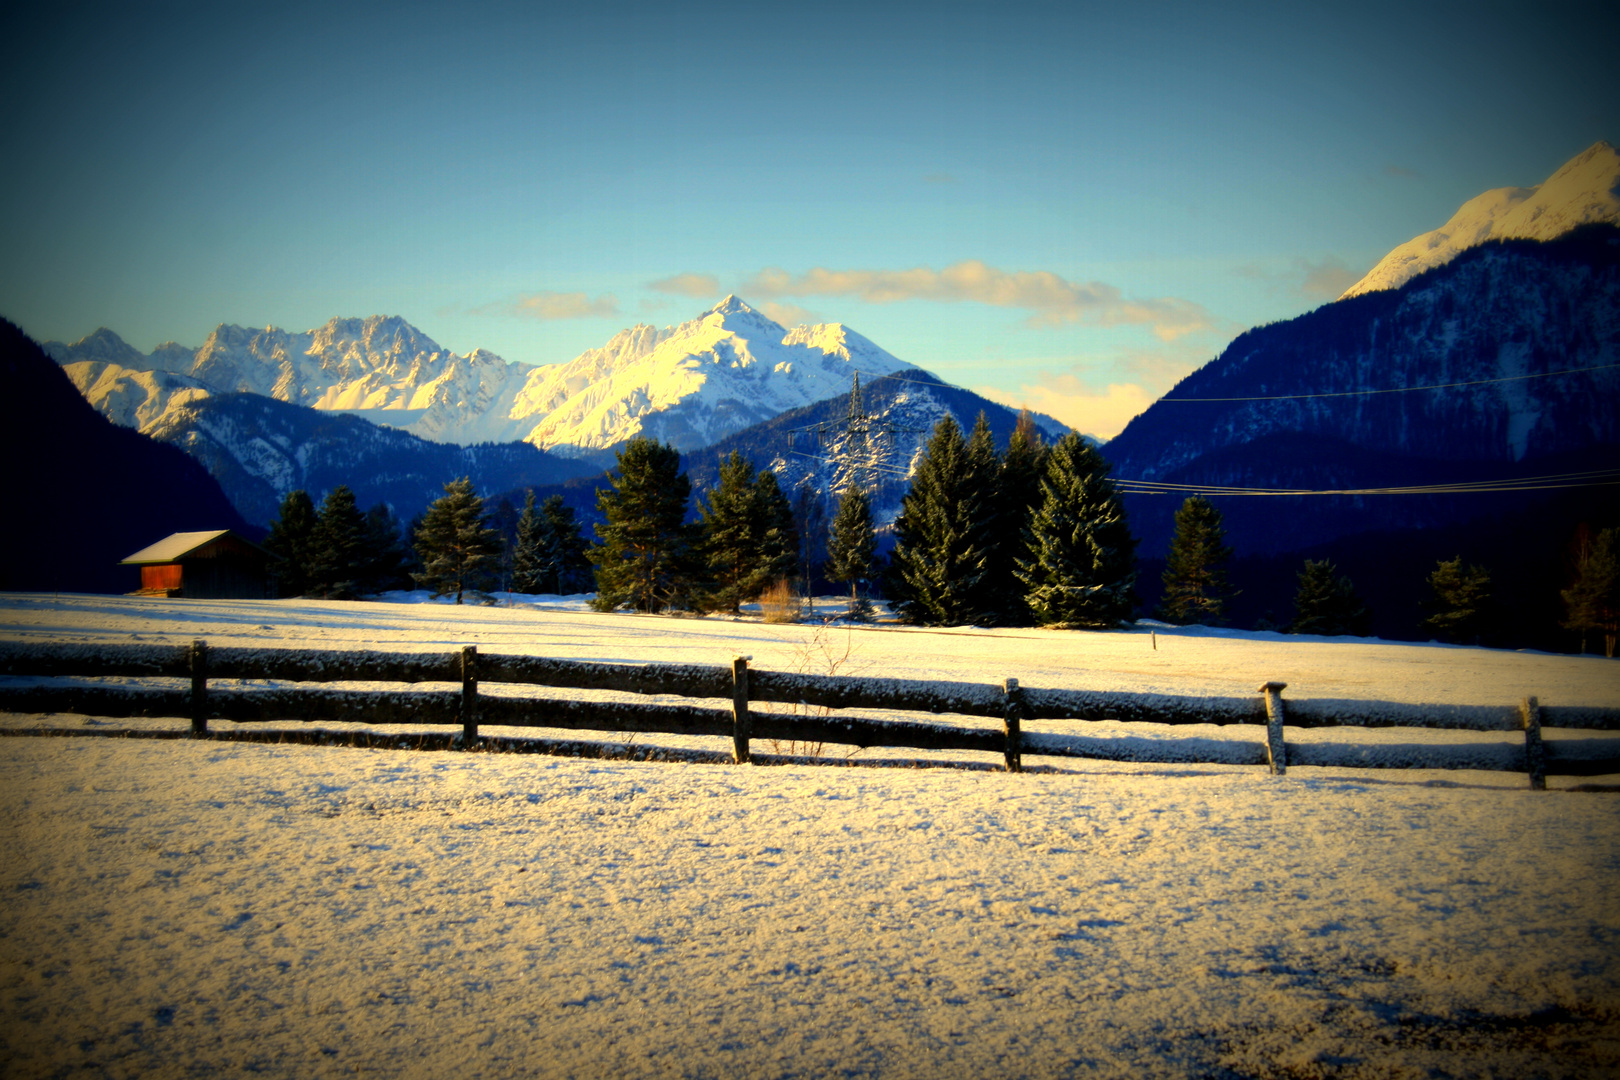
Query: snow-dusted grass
[179, 907]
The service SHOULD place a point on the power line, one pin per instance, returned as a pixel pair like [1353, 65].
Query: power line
[1551, 482]
[1400, 389]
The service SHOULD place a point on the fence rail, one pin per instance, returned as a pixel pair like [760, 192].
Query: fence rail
[743, 687]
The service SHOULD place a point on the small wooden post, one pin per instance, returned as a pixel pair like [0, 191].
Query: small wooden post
[741, 728]
[1014, 718]
[1535, 752]
[1276, 750]
[469, 696]
[199, 687]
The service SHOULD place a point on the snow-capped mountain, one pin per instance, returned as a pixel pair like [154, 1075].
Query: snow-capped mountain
[689, 384]
[1585, 189]
[381, 367]
[1505, 362]
[693, 384]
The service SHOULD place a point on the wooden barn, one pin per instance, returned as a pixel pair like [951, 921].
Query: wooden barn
[217, 565]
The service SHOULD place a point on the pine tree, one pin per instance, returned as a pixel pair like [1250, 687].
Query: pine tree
[1081, 567]
[748, 536]
[1459, 601]
[1195, 588]
[1592, 603]
[528, 553]
[1018, 495]
[732, 533]
[338, 557]
[566, 569]
[1326, 603]
[292, 538]
[646, 556]
[384, 567]
[942, 536]
[852, 549]
[458, 551]
[779, 546]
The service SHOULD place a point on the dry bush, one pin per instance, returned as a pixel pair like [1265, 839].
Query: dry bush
[820, 655]
[780, 603]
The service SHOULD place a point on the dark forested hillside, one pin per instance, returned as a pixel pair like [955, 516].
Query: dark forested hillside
[1517, 345]
[260, 448]
[84, 493]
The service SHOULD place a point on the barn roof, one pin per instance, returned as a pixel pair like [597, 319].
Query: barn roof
[177, 546]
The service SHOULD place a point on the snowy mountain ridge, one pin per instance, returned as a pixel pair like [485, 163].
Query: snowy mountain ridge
[689, 384]
[1584, 189]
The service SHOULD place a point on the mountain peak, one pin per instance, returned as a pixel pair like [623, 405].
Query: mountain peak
[731, 305]
[1586, 188]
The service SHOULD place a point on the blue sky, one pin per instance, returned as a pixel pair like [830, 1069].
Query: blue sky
[1063, 205]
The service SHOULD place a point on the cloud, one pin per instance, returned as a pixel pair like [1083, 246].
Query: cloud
[789, 314]
[1327, 279]
[699, 286]
[1050, 299]
[553, 305]
[1102, 413]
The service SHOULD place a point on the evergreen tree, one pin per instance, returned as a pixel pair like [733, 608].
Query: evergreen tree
[748, 537]
[1081, 567]
[384, 567]
[1592, 603]
[1326, 603]
[646, 555]
[852, 549]
[566, 569]
[942, 536]
[339, 558]
[732, 533]
[292, 538]
[458, 551]
[528, 553]
[1195, 589]
[1018, 495]
[1459, 601]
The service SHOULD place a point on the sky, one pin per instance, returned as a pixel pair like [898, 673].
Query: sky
[1065, 206]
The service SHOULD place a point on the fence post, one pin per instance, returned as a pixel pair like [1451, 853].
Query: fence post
[469, 696]
[199, 687]
[1014, 719]
[1276, 750]
[741, 728]
[1535, 752]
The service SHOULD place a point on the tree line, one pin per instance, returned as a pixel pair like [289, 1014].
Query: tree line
[1035, 534]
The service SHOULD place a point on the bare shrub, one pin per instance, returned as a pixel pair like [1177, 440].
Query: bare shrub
[820, 655]
[780, 603]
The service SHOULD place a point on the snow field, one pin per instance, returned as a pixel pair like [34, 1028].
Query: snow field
[177, 907]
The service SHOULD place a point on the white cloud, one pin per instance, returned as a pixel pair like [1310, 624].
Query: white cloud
[1049, 298]
[698, 286]
[789, 314]
[553, 305]
[1102, 413]
[1327, 279]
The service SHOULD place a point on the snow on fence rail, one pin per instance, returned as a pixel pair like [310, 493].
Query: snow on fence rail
[1010, 702]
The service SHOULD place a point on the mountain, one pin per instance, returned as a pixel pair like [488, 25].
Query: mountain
[85, 493]
[1585, 189]
[1497, 368]
[696, 383]
[259, 449]
[381, 367]
[688, 384]
[1323, 401]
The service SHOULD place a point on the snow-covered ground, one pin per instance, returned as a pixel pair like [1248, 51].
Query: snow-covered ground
[176, 907]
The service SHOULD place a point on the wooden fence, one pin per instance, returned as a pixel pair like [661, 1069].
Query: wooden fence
[1013, 705]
